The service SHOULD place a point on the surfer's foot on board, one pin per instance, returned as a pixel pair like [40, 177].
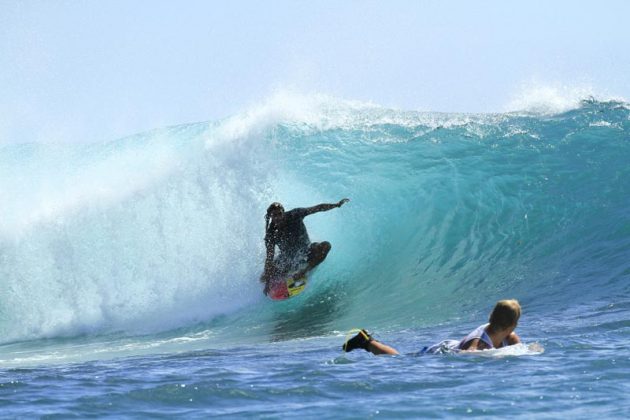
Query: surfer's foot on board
[359, 341]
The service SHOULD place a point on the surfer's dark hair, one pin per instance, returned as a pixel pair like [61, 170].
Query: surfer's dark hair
[268, 225]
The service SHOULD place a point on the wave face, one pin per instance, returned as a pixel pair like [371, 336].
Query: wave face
[448, 212]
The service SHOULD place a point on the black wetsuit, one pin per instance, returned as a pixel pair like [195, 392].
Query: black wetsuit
[291, 237]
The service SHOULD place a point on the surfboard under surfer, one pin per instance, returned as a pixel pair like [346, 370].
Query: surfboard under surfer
[286, 230]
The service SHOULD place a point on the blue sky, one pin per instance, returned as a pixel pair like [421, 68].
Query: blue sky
[81, 71]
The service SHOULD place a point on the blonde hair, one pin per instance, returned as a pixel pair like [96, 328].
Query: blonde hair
[505, 314]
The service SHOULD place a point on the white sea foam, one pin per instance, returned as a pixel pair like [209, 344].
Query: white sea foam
[136, 238]
[520, 349]
[541, 98]
[61, 183]
[316, 111]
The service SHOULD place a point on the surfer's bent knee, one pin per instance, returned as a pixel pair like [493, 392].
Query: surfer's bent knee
[318, 252]
[321, 247]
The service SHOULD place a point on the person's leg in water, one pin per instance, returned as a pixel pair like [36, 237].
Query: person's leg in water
[363, 340]
[316, 255]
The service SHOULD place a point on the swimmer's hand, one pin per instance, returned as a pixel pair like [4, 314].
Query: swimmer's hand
[342, 202]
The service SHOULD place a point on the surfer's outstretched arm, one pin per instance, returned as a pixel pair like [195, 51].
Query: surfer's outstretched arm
[325, 206]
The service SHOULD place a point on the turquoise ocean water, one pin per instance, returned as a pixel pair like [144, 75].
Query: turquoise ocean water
[128, 270]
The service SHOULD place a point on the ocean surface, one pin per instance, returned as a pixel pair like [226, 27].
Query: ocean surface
[129, 270]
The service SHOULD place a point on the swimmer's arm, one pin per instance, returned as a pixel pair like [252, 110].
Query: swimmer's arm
[325, 207]
[513, 338]
[271, 250]
[476, 344]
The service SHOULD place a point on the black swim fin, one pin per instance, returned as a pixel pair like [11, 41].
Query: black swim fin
[359, 341]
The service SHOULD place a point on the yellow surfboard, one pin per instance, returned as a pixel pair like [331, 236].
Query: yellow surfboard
[284, 288]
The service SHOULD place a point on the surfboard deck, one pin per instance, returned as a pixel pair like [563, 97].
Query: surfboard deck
[286, 287]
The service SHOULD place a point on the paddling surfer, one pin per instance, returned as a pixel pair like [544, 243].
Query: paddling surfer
[497, 333]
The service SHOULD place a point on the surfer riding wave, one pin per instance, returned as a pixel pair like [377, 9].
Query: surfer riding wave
[286, 230]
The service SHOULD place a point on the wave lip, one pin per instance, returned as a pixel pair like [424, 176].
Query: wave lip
[556, 99]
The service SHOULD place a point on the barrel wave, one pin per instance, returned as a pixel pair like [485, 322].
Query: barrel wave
[162, 232]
